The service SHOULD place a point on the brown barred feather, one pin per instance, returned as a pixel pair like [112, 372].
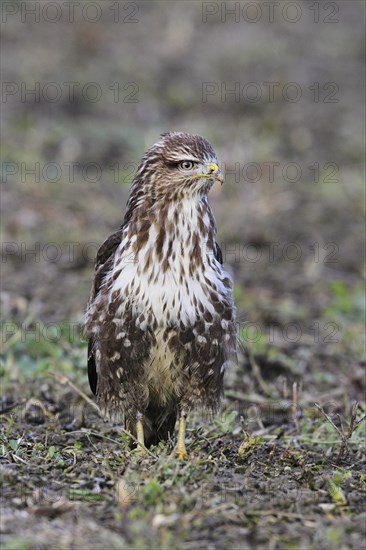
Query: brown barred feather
[161, 319]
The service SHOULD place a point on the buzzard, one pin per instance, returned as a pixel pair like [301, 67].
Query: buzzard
[160, 321]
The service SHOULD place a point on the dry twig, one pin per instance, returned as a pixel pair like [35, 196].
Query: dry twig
[294, 407]
[256, 372]
[345, 436]
[62, 379]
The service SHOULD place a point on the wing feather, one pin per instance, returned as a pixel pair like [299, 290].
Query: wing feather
[218, 254]
[104, 262]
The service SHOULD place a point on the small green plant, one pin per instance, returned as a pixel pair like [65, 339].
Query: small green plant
[152, 492]
[335, 487]
[249, 445]
[224, 423]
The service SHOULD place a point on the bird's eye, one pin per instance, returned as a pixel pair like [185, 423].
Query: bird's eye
[186, 165]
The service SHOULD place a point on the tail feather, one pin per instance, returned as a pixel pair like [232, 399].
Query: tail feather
[159, 424]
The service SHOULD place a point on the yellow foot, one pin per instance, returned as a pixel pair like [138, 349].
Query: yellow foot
[181, 454]
[140, 449]
[180, 451]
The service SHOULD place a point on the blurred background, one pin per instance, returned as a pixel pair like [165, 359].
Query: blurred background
[277, 89]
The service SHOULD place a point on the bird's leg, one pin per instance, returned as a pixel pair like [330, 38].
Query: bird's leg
[140, 435]
[180, 451]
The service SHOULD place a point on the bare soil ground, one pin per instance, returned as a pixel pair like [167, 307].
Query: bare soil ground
[283, 465]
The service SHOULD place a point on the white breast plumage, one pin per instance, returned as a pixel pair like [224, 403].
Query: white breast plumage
[163, 293]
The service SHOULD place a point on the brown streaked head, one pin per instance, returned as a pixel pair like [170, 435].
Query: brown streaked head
[177, 165]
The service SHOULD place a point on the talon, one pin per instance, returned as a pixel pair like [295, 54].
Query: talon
[139, 451]
[181, 455]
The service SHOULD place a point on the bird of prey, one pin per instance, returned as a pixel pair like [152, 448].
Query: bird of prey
[160, 321]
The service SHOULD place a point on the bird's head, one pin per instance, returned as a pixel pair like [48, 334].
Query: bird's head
[179, 165]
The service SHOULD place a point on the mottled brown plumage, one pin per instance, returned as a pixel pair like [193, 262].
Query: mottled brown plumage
[160, 319]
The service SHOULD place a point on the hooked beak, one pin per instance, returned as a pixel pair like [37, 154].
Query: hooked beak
[214, 171]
